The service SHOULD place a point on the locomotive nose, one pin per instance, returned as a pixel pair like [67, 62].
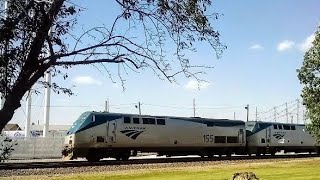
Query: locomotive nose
[67, 151]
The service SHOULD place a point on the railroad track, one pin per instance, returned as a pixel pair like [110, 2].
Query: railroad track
[64, 164]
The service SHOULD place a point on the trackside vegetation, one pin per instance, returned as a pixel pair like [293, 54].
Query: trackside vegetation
[6, 147]
[309, 77]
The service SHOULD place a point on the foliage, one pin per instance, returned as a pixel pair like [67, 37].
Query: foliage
[37, 36]
[309, 76]
[6, 147]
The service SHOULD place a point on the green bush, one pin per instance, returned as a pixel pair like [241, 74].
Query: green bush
[6, 147]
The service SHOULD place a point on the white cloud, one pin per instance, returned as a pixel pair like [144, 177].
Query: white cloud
[193, 85]
[86, 80]
[256, 47]
[307, 43]
[285, 45]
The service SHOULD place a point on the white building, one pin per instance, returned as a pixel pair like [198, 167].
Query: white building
[54, 130]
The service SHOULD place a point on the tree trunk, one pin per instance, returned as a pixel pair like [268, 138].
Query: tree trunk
[11, 104]
[32, 70]
[5, 115]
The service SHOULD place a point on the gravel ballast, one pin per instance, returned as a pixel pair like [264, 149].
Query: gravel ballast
[134, 167]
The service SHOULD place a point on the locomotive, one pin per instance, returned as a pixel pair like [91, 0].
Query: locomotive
[97, 135]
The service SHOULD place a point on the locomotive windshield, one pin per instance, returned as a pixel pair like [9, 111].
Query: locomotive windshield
[250, 126]
[75, 126]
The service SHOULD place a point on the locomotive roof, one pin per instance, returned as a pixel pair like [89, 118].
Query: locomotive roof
[273, 123]
[195, 119]
[84, 123]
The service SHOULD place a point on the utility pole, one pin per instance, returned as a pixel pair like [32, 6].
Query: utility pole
[234, 115]
[28, 119]
[298, 109]
[256, 114]
[291, 119]
[2, 96]
[139, 106]
[194, 107]
[287, 115]
[47, 96]
[275, 114]
[106, 105]
[47, 105]
[304, 116]
[247, 108]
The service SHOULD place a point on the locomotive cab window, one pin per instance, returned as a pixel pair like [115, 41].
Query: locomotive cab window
[136, 121]
[286, 127]
[126, 120]
[292, 127]
[275, 127]
[279, 126]
[98, 118]
[161, 122]
[148, 121]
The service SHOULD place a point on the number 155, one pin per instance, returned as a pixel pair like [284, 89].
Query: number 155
[208, 138]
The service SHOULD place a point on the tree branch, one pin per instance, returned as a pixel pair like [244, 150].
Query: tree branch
[71, 63]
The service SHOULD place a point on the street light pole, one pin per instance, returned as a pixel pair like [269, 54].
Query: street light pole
[194, 107]
[247, 108]
[139, 107]
[47, 94]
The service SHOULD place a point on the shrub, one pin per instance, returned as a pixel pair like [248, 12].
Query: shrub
[6, 147]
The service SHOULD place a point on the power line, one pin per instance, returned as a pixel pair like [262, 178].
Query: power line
[164, 106]
[278, 114]
[284, 104]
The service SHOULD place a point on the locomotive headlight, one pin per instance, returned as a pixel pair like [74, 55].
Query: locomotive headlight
[69, 140]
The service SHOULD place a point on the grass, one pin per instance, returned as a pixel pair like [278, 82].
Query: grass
[294, 169]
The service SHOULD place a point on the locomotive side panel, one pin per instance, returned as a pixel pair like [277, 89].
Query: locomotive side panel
[179, 133]
[170, 134]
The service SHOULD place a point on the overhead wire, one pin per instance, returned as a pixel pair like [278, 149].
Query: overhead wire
[282, 111]
[289, 108]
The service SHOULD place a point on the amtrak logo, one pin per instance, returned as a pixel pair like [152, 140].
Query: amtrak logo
[279, 136]
[133, 134]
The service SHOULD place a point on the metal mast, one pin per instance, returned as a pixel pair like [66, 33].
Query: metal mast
[28, 119]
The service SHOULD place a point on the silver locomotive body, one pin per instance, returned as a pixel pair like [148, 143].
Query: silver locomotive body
[100, 135]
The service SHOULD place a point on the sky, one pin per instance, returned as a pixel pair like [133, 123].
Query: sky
[266, 41]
